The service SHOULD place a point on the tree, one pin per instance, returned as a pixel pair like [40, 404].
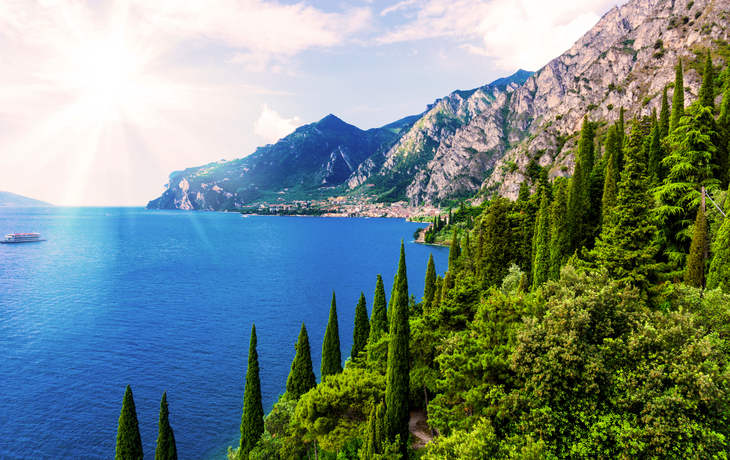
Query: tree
[656, 155]
[586, 150]
[610, 190]
[166, 449]
[707, 90]
[497, 250]
[541, 264]
[301, 376]
[454, 252]
[361, 332]
[559, 234]
[695, 272]
[690, 167]
[129, 442]
[430, 289]
[626, 244]
[379, 315]
[678, 98]
[664, 115]
[374, 436]
[331, 356]
[576, 208]
[252, 421]
[719, 274]
[397, 375]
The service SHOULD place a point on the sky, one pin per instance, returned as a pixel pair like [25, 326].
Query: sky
[101, 100]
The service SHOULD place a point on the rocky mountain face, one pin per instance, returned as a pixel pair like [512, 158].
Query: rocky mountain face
[321, 154]
[490, 139]
[625, 60]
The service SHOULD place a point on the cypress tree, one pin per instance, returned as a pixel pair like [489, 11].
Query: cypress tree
[719, 274]
[559, 235]
[362, 328]
[379, 315]
[430, 289]
[397, 375]
[497, 249]
[446, 285]
[252, 421]
[437, 294]
[626, 245]
[723, 121]
[166, 449]
[677, 99]
[656, 155]
[373, 438]
[392, 296]
[621, 142]
[610, 190]
[454, 252]
[664, 115]
[586, 149]
[576, 208]
[541, 264]
[301, 376]
[723, 131]
[129, 442]
[524, 192]
[695, 272]
[707, 90]
[331, 356]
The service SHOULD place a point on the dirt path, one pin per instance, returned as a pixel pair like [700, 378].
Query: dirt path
[418, 426]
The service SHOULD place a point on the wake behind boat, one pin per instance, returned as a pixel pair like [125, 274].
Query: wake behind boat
[22, 238]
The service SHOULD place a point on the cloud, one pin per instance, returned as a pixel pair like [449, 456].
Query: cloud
[272, 127]
[515, 33]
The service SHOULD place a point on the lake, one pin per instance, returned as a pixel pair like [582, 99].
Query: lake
[164, 300]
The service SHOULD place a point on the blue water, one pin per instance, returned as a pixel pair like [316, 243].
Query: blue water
[164, 300]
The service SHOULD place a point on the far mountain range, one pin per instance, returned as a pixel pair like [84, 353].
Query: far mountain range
[486, 140]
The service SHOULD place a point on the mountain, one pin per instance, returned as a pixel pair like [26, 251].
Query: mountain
[8, 199]
[321, 154]
[490, 139]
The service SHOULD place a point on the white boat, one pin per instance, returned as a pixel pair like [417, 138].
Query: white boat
[22, 238]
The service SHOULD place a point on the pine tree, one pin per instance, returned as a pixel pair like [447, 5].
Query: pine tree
[379, 315]
[625, 247]
[166, 449]
[301, 376]
[397, 375]
[129, 442]
[541, 264]
[695, 272]
[559, 235]
[361, 332]
[430, 286]
[331, 356]
[707, 90]
[664, 115]
[719, 273]
[677, 99]
[252, 421]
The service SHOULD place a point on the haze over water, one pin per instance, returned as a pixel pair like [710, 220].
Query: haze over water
[164, 300]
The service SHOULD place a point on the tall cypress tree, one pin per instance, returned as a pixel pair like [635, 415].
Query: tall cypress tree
[361, 332]
[656, 154]
[707, 90]
[454, 252]
[723, 131]
[373, 438]
[559, 235]
[664, 115]
[166, 449]
[677, 99]
[610, 190]
[719, 273]
[379, 315]
[392, 296]
[129, 442]
[252, 421]
[430, 289]
[397, 375]
[626, 245]
[497, 250]
[576, 208]
[301, 376]
[541, 264]
[586, 150]
[695, 272]
[331, 355]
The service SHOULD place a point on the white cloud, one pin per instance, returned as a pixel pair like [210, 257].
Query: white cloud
[272, 126]
[515, 33]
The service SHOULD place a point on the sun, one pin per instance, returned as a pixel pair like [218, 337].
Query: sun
[106, 68]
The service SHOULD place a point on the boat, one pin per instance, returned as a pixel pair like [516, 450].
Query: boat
[22, 238]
